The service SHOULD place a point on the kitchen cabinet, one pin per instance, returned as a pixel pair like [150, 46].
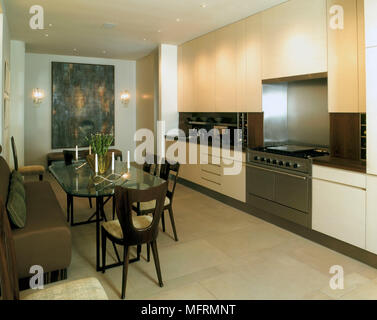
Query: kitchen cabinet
[294, 39]
[230, 68]
[371, 216]
[180, 78]
[205, 73]
[188, 77]
[346, 59]
[253, 64]
[371, 97]
[339, 204]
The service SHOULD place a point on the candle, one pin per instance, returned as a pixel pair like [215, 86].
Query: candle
[77, 183]
[96, 163]
[128, 159]
[112, 162]
[90, 149]
[77, 153]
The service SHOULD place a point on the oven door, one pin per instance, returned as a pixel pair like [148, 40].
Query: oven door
[292, 190]
[288, 189]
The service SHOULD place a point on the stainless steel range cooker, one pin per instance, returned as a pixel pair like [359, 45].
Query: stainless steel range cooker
[279, 181]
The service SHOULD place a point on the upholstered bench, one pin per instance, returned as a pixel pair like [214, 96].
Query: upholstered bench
[58, 156]
[45, 239]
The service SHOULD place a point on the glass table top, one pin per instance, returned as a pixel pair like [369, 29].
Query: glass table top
[82, 182]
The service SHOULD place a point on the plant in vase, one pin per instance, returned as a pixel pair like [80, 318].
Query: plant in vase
[100, 144]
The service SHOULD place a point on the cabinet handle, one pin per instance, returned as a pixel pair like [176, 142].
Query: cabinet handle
[215, 174]
[219, 184]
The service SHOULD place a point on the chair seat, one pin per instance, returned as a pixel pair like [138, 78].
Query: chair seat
[31, 170]
[150, 205]
[114, 228]
[83, 289]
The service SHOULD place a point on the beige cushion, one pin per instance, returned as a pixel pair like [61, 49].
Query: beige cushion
[83, 289]
[31, 170]
[113, 227]
[150, 205]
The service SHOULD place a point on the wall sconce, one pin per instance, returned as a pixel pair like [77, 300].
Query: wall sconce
[125, 97]
[37, 95]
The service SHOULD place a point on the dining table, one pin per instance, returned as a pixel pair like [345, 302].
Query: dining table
[79, 180]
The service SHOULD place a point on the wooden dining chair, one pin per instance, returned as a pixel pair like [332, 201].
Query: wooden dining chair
[34, 170]
[132, 230]
[83, 289]
[169, 172]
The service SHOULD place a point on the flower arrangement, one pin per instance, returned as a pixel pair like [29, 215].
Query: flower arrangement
[100, 143]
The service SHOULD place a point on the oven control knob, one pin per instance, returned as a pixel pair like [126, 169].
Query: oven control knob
[296, 165]
[274, 162]
[268, 160]
[256, 158]
[262, 159]
[281, 163]
[287, 164]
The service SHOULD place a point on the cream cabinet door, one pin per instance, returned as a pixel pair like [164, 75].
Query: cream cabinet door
[371, 216]
[230, 68]
[205, 68]
[371, 85]
[294, 39]
[339, 211]
[188, 78]
[343, 68]
[253, 64]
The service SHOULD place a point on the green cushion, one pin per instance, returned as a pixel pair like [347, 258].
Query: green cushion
[16, 209]
[16, 175]
[18, 187]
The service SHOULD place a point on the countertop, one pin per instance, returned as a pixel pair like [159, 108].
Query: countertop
[339, 163]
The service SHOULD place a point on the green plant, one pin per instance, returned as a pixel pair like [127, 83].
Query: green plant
[100, 143]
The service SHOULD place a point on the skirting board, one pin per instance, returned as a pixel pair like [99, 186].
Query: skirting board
[315, 236]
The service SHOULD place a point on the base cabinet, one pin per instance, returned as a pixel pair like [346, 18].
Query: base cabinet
[371, 216]
[339, 210]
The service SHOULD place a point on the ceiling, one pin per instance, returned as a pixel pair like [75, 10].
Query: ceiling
[75, 27]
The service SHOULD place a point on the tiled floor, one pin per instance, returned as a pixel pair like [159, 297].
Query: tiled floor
[222, 253]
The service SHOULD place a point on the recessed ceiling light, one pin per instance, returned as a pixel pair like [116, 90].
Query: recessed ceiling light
[104, 51]
[50, 24]
[159, 31]
[178, 20]
[46, 35]
[74, 49]
[145, 39]
[203, 5]
[109, 25]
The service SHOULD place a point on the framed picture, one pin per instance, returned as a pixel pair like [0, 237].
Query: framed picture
[82, 102]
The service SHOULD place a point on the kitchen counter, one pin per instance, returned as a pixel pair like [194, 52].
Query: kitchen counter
[339, 163]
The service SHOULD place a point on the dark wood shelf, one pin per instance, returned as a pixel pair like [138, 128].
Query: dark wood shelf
[340, 163]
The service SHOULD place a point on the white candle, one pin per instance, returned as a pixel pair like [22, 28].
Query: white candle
[128, 159]
[96, 163]
[112, 162]
[77, 153]
[90, 149]
[77, 183]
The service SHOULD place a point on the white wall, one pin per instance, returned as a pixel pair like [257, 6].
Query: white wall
[38, 118]
[17, 98]
[5, 56]
[168, 87]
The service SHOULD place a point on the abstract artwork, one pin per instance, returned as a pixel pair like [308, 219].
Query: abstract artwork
[82, 102]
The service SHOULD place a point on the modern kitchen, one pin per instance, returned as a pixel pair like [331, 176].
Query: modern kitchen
[295, 84]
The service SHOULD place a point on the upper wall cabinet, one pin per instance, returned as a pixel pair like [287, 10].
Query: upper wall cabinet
[186, 75]
[294, 39]
[346, 56]
[204, 69]
[253, 92]
[230, 68]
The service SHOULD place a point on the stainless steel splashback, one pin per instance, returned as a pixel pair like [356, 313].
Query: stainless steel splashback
[296, 112]
[275, 113]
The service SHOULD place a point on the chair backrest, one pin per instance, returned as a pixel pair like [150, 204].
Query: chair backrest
[170, 174]
[125, 198]
[69, 155]
[14, 150]
[5, 175]
[8, 270]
